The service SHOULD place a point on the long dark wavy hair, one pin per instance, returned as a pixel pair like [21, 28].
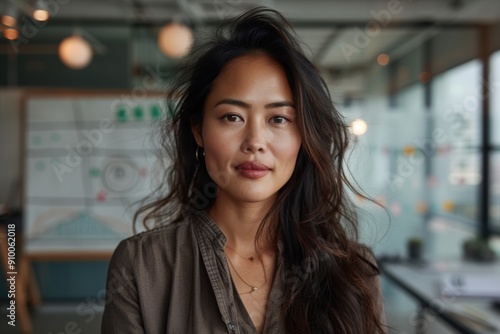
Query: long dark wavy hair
[330, 280]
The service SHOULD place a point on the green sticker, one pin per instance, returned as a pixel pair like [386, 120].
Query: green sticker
[121, 114]
[138, 113]
[155, 112]
[55, 136]
[94, 172]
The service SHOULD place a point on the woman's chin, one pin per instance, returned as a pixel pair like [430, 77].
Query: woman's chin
[251, 196]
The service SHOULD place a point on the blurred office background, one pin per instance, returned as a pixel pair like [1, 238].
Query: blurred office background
[419, 81]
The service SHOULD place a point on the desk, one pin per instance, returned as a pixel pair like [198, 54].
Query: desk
[422, 282]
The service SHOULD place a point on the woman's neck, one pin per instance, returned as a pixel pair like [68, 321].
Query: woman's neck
[239, 222]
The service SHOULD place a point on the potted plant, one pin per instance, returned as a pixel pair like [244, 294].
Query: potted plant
[477, 249]
[414, 249]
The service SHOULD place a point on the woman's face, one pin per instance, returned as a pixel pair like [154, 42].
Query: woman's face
[249, 131]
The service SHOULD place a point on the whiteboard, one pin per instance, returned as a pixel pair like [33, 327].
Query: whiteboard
[87, 161]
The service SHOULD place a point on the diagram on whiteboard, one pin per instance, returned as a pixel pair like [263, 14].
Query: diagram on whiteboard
[88, 162]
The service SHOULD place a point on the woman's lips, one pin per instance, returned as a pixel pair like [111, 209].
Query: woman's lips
[252, 170]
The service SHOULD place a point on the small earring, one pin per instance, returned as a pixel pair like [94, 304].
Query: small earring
[196, 152]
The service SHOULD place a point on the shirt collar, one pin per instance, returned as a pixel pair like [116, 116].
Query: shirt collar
[214, 233]
[211, 230]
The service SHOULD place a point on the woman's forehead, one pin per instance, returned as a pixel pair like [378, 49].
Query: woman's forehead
[251, 79]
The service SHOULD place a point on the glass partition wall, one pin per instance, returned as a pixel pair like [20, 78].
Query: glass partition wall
[494, 210]
[421, 155]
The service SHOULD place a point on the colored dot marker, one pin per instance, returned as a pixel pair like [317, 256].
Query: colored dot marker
[155, 112]
[101, 196]
[138, 113]
[121, 114]
[396, 209]
[55, 136]
[408, 150]
[94, 172]
[448, 206]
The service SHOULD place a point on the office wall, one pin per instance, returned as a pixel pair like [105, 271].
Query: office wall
[57, 280]
[10, 122]
[453, 47]
[395, 167]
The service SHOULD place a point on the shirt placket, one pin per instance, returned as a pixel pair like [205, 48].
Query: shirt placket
[211, 248]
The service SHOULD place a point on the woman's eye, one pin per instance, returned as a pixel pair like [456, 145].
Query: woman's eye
[279, 119]
[232, 118]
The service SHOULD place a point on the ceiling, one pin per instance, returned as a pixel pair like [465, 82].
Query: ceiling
[333, 11]
[323, 25]
[331, 29]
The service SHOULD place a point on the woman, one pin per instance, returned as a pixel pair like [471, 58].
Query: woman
[256, 233]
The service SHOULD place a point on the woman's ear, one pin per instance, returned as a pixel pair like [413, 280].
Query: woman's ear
[196, 129]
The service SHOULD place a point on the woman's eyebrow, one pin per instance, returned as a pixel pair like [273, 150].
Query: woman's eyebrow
[234, 102]
[279, 104]
[245, 105]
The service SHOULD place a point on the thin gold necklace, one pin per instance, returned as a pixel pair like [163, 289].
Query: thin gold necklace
[251, 258]
[252, 287]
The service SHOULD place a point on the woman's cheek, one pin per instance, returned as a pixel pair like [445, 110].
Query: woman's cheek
[217, 166]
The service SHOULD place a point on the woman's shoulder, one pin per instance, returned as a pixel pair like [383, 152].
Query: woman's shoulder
[162, 239]
[162, 231]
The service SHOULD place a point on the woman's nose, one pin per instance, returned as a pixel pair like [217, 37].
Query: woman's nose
[254, 140]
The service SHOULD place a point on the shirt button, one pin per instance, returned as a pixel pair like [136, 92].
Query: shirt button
[231, 327]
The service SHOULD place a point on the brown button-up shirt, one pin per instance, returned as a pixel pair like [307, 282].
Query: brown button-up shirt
[175, 279]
